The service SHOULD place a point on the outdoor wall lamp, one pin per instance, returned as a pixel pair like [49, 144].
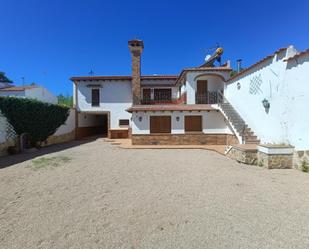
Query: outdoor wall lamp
[140, 118]
[238, 86]
[177, 118]
[266, 105]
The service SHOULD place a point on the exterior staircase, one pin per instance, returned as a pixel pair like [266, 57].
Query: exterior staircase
[238, 124]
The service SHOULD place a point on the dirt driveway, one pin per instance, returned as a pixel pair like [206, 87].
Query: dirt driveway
[96, 195]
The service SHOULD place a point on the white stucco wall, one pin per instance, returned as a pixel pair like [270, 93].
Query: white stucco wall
[42, 94]
[213, 122]
[285, 86]
[69, 125]
[115, 97]
[215, 83]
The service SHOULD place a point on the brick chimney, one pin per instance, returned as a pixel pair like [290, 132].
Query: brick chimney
[136, 48]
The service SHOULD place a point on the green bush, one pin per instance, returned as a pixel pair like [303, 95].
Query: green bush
[305, 167]
[31, 116]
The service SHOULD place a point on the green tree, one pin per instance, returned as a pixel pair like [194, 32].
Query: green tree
[65, 100]
[3, 78]
[38, 119]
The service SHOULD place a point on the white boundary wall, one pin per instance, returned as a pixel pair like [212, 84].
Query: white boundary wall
[69, 125]
[285, 85]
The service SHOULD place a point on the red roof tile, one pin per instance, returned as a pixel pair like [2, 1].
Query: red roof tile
[18, 88]
[194, 69]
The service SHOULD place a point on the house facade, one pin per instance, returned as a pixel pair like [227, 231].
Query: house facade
[201, 105]
[28, 91]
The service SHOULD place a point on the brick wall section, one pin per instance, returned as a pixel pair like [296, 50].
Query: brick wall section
[136, 48]
[183, 139]
[136, 77]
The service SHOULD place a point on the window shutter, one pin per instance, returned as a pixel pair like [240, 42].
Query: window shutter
[160, 124]
[193, 123]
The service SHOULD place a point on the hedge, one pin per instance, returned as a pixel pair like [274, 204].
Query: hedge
[38, 119]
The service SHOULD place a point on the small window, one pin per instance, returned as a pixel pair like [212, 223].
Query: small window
[95, 97]
[193, 123]
[160, 124]
[124, 122]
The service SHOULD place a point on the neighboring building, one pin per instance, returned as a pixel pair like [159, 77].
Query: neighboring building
[29, 91]
[201, 105]
[5, 84]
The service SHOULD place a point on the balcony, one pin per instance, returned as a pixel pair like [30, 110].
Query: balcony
[209, 98]
[163, 99]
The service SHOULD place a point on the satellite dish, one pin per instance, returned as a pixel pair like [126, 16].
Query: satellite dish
[207, 57]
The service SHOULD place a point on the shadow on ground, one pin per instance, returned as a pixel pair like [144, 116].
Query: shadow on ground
[7, 161]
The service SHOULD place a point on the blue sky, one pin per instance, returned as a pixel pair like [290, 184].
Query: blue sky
[47, 42]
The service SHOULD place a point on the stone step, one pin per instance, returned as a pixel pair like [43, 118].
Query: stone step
[239, 124]
[252, 141]
[249, 133]
[250, 137]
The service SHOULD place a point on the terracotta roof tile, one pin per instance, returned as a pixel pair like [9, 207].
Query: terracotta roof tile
[194, 69]
[18, 88]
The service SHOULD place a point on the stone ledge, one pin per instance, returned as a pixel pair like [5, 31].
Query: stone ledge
[276, 149]
[242, 154]
[60, 139]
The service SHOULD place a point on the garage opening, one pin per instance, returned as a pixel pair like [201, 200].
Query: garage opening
[92, 125]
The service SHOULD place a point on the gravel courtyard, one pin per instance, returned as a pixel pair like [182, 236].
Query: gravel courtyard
[96, 195]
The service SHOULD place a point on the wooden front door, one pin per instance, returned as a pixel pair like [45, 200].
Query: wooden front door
[201, 91]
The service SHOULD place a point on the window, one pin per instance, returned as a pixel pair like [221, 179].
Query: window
[160, 124]
[146, 93]
[193, 123]
[124, 122]
[162, 94]
[95, 97]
